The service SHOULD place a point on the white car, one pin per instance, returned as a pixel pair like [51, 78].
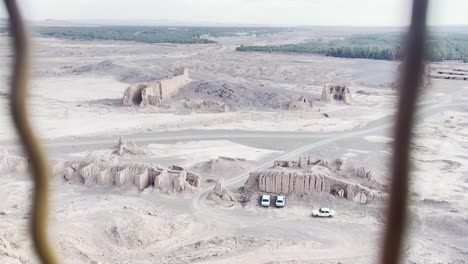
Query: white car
[323, 212]
[265, 202]
[280, 200]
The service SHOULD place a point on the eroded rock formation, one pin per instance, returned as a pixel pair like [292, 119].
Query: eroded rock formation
[336, 93]
[153, 93]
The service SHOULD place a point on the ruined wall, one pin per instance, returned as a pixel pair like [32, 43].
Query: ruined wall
[151, 95]
[10, 164]
[336, 93]
[124, 148]
[145, 94]
[171, 85]
[106, 171]
[294, 182]
[301, 104]
[133, 94]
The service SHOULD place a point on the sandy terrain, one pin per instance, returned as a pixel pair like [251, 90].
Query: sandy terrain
[75, 112]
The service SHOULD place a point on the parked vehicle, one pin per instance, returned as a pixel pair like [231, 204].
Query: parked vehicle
[265, 202]
[280, 200]
[323, 212]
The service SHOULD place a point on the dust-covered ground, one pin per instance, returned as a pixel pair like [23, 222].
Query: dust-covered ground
[75, 94]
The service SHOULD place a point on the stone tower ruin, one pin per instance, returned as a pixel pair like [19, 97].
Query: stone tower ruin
[336, 93]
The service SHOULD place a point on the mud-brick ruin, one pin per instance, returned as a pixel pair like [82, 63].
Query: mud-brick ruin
[309, 175]
[336, 93]
[301, 104]
[10, 164]
[104, 170]
[153, 93]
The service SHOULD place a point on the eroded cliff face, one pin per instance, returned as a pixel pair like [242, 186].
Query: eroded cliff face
[336, 93]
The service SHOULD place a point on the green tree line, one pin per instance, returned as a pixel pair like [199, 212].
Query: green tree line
[440, 47]
[149, 34]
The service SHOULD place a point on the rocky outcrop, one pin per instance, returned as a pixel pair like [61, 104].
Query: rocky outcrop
[294, 182]
[336, 93]
[124, 148]
[302, 104]
[153, 93]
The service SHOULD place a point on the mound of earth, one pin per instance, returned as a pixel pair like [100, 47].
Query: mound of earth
[219, 246]
[223, 166]
[237, 95]
[206, 106]
[135, 230]
[122, 71]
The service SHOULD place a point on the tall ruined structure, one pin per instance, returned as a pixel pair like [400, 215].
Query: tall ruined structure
[153, 93]
[336, 93]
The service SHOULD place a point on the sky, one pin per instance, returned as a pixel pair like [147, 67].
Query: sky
[261, 12]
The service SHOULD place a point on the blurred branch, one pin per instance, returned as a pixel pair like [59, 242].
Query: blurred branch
[18, 105]
[410, 81]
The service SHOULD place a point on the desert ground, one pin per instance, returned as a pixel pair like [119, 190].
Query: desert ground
[76, 90]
